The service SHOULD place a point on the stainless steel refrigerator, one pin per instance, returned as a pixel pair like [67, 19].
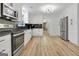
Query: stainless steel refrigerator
[64, 28]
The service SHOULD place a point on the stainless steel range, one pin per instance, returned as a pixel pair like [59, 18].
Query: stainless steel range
[17, 42]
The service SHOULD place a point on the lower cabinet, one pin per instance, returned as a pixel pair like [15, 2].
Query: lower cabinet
[37, 32]
[5, 45]
[27, 36]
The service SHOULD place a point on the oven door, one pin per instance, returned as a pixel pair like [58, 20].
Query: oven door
[17, 41]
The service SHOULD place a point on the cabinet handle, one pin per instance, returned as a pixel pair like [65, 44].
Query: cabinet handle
[2, 40]
[2, 51]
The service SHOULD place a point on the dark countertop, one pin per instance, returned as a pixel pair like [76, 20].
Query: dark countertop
[20, 29]
[3, 33]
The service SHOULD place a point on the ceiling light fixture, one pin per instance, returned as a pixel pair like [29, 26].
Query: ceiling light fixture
[48, 8]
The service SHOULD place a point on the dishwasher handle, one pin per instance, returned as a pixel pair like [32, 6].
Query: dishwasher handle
[2, 40]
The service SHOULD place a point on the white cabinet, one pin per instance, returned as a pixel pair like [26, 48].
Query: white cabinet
[5, 45]
[37, 32]
[14, 6]
[25, 14]
[27, 36]
[19, 9]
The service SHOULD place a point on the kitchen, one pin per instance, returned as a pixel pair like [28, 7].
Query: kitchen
[18, 33]
[21, 22]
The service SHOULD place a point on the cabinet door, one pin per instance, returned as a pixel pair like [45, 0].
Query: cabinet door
[27, 36]
[29, 33]
[3, 39]
[40, 32]
[5, 47]
[37, 32]
[19, 9]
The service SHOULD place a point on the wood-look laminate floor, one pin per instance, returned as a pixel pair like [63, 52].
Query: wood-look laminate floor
[49, 46]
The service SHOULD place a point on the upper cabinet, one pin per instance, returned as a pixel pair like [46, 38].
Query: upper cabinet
[25, 14]
[22, 15]
[18, 7]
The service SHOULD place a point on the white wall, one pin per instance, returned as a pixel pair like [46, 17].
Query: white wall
[53, 25]
[71, 12]
[35, 18]
[53, 22]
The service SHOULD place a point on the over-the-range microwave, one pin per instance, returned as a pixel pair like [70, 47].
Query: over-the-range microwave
[7, 11]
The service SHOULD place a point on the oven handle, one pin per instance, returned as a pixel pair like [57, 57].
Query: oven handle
[18, 34]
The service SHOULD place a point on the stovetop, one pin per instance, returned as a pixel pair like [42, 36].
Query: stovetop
[16, 31]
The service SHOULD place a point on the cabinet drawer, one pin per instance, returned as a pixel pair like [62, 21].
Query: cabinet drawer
[5, 48]
[3, 39]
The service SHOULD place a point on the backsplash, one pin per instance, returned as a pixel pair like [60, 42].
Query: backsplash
[3, 21]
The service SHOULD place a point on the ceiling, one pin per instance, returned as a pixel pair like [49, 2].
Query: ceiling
[36, 7]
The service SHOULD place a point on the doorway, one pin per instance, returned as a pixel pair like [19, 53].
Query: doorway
[64, 28]
[44, 26]
[45, 30]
